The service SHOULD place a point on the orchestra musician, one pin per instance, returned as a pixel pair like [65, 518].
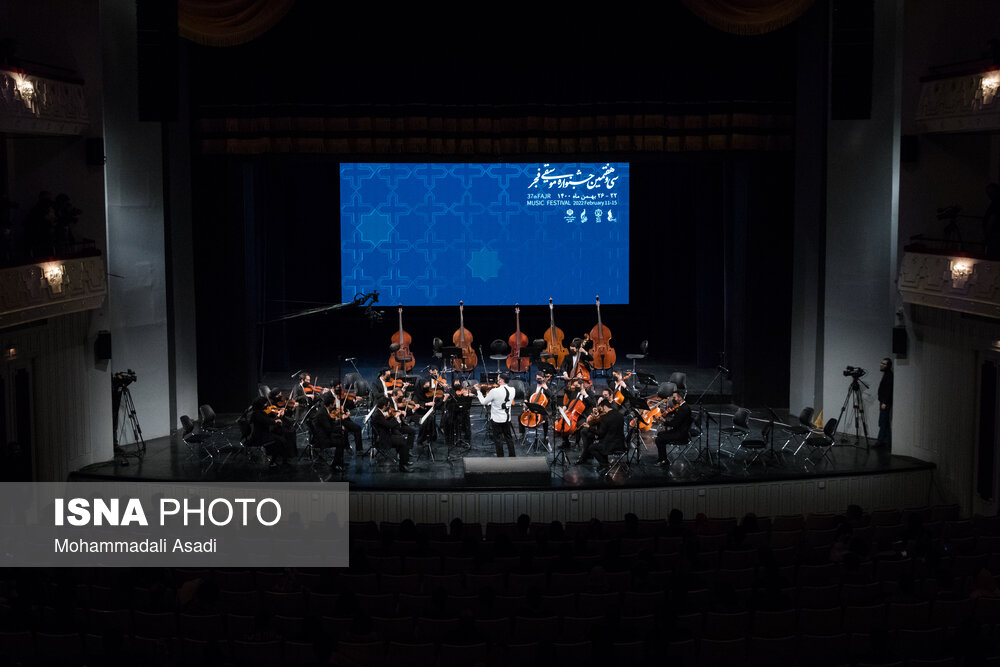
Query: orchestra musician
[577, 346]
[461, 406]
[272, 433]
[388, 428]
[542, 385]
[575, 389]
[351, 427]
[500, 399]
[385, 381]
[328, 431]
[399, 402]
[676, 424]
[604, 434]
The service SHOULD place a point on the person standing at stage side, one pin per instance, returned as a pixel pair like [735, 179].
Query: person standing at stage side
[885, 405]
[500, 399]
[389, 432]
[676, 425]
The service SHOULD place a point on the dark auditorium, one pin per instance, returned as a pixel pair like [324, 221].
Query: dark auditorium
[328, 335]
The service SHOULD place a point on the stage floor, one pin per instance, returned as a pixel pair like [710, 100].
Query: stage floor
[170, 459]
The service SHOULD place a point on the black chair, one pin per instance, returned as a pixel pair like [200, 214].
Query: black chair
[797, 433]
[680, 381]
[822, 442]
[198, 444]
[755, 447]
[498, 352]
[740, 428]
[636, 356]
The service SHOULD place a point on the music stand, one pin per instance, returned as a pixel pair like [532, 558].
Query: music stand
[540, 411]
[634, 434]
[646, 380]
[546, 367]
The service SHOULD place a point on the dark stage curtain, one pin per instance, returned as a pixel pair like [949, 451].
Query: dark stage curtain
[748, 17]
[228, 22]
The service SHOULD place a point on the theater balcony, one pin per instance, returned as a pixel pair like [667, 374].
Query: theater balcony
[948, 275]
[57, 287]
[50, 104]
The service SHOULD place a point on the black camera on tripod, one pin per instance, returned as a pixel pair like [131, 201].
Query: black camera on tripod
[122, 379]
[854, 372]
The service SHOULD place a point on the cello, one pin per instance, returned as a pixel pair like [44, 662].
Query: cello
[604, 355]
[531, 419]
[554, 338]
[517, 340]
[569, 416]
[401, 358]
[463, 339]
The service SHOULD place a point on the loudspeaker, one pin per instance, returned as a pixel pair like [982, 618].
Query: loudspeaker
[909, 148]
[899, 342]
[102, 346]
[507, 472]
[95, 151]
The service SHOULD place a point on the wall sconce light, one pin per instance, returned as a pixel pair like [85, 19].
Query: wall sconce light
[25, 89]
[988, 85]
[54, 274]
[10, 353]
[961, 271]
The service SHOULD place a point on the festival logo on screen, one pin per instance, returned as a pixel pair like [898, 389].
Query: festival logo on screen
[434, 234]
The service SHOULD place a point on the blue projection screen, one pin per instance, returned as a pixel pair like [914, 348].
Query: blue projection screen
[487, 234]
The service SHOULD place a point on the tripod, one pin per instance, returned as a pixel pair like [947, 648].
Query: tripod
[121, 400]
[856, 400]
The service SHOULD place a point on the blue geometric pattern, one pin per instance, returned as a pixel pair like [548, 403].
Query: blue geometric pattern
[485, 233]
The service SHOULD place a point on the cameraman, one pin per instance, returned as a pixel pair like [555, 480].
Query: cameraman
[885, 405]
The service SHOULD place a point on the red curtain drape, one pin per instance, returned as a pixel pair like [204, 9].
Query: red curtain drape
[228, 22]
[748, 17]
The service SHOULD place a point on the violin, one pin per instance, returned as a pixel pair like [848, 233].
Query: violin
[436, 386]
[517, 340]
[463, 339]
[554, 339]
[532, 419]
[596, 415]
[401, 358]
[604, 355]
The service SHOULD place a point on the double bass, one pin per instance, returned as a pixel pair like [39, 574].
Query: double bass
[554, 339]
[604, 355]
[517, 340]
[401, 358]
[463, 339]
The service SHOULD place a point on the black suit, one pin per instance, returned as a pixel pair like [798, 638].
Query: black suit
[608, 436]
[389, 433]
[675, 430]
[328, 432]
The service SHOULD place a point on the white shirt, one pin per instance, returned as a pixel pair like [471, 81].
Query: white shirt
[500, 399]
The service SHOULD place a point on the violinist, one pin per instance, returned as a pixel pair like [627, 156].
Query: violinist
[351, 427]
[604, 434]
[271, 433]
[387, 426]
[460, 405]
[541, 385]
[676, 424]
[385, 381]
[328, 432]
[500, 399]
[301, 391]
[401, 405]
